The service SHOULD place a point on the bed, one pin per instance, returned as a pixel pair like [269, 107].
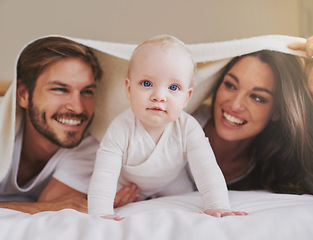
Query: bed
[271, 216]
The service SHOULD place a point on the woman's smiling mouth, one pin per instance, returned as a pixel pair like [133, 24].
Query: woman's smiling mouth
[233, 120]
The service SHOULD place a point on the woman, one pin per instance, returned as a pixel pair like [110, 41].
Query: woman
[262, 129]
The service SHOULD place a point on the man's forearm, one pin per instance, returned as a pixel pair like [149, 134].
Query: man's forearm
[27, 207]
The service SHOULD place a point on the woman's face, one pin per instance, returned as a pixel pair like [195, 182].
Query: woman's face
[244, 101]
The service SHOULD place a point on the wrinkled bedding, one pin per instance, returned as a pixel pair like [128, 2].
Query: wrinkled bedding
[271, 216]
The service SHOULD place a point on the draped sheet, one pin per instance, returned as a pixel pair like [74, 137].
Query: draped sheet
[111, 99]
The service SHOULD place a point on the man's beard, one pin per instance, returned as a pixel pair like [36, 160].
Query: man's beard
[39, 122]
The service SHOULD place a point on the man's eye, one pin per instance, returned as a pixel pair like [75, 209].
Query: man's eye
[174, 87]
[146, 83]
[88, 92]
[61, 90]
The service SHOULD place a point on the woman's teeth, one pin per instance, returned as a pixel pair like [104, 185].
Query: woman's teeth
[232, 119]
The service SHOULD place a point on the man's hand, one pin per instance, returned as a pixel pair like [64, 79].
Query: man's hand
[126, 195]
[56, 196]
[73, 200]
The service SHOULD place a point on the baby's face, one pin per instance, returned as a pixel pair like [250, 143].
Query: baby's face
[159, 84]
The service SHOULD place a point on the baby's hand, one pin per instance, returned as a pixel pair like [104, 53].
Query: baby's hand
[218, 212]
[113, 217]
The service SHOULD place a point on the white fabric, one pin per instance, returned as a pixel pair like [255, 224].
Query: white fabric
[111, 100]
[127, 150]
[271, 216]
[73, 167]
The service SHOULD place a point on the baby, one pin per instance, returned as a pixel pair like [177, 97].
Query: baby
[150, 143]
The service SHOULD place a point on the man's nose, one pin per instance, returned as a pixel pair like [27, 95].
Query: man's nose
[74, 103]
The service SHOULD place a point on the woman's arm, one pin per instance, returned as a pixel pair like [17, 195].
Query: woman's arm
[308, 47]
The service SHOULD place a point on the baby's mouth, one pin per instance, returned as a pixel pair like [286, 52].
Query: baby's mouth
[233, 120]
[157, 109]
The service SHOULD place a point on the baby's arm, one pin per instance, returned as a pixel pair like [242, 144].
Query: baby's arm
[208, 176]
[103, 183]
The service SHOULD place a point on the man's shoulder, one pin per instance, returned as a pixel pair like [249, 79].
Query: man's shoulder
[88, 145]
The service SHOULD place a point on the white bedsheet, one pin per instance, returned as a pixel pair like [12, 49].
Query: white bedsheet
[271, 216]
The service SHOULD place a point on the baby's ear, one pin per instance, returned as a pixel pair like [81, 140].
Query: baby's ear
[127, 88]
[188, 97]
[22, 94]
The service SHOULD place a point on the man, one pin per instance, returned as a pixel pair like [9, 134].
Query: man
[53, 155]
[56, 90]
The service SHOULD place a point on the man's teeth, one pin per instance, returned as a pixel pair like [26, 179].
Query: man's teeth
[69, 121]
[233, 119]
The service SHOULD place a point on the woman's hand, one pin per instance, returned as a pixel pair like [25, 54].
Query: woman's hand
[308, 47]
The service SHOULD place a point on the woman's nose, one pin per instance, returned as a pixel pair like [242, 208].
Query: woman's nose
[238, 103]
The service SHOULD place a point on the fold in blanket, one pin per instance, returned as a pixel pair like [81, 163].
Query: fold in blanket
[111, 99]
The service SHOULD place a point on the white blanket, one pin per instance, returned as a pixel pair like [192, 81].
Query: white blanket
[111, 99]
[271, 216]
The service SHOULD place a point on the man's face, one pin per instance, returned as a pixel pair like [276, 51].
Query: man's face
[62, 105]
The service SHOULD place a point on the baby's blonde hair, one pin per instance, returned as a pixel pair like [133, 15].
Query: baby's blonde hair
[163, 40]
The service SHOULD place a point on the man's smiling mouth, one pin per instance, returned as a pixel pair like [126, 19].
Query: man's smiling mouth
[233, 120]
[71, 122]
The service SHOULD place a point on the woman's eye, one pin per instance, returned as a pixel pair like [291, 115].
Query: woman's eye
[174, 87]
[146, 83]
[258, 98]
[229, 85]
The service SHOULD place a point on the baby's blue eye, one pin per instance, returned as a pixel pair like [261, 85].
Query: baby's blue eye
[146, 83]
[174, 88]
